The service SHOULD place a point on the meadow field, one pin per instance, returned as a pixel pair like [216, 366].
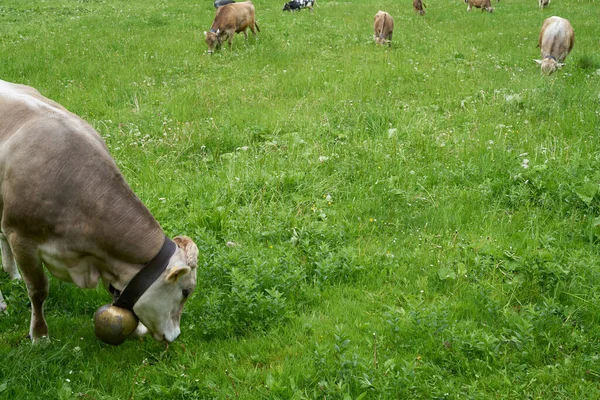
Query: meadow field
[413, 222]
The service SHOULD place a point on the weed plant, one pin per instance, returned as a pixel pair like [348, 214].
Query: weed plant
[413, 222]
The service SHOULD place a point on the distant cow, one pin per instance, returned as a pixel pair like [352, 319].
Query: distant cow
[483, 4]
[418, 5]
[230, 19]
[297, 5]
[221, 3]
[543, 3]
[556, 41]
[383, 27]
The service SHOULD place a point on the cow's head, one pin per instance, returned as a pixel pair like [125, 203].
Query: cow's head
[213, 40]
[549, 65]
[160, 307]
[287, 7]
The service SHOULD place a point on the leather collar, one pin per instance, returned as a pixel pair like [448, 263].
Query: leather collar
[143, 279]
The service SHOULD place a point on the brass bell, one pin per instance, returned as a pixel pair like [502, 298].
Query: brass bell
[114, 324]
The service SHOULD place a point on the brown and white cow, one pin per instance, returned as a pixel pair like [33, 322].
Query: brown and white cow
[556, 41]
[419, 6]
[229, 20]
[483, 4]
[65, 205]
[383, 27]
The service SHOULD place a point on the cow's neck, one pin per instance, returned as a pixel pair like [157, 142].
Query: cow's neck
[126, 230]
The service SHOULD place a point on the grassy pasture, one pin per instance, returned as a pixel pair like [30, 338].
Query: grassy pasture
[419, 221]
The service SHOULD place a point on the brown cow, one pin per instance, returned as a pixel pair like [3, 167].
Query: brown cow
[483, 4]
[556, 41]
[418, 5]
[230, 19]
[383, 26]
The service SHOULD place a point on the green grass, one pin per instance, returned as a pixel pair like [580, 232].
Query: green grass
[391, 240]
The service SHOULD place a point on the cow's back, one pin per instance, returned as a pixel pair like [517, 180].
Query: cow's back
[58, 179]
[383, 23]
[556, 38]
[236, 16]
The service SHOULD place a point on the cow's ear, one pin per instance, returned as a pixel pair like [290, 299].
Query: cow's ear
[218, 31]
[205, 33]
[560, 65]
[538, 61]
[177, 272]
[189, 249]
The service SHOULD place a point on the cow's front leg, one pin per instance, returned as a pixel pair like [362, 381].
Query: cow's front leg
[36, 282]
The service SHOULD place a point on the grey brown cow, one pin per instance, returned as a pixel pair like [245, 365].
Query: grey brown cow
[485, 5]
[383, 28]
[229, 20]
[65, 206]
[556, 42]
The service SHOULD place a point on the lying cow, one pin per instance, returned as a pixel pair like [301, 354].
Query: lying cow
[419, 6]
[383, 27]
[543, 3]
[221, 3]
[483, 4]
[230, 19]
[66, 206]
[297, 5]
[556, 41]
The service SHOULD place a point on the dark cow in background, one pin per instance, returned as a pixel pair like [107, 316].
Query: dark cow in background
[221, 3]
[297, 5]
[419, 6]
[229, 20]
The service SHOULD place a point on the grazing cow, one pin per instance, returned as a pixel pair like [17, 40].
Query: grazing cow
[230, 19]
[297, 5]
[221, 3]
[65, 205]
[543, 3]
[483, 4]
[556, 41]
[383, 27]
[419, 6]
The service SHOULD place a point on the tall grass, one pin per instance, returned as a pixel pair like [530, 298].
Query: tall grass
[419, 221]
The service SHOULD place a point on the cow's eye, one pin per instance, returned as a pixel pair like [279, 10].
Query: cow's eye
[186, 293]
